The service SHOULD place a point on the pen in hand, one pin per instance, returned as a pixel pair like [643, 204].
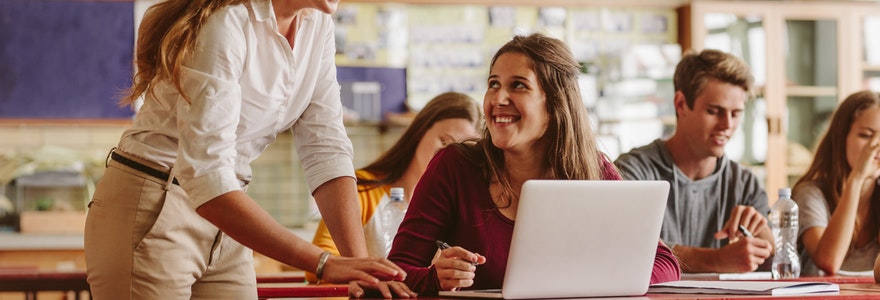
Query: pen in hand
[443, 246]
[745, 231]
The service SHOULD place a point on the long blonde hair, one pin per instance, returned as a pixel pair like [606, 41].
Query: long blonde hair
[166, 37]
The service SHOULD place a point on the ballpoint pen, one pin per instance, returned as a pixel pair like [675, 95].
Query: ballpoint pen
[745, 231]
[443, 246]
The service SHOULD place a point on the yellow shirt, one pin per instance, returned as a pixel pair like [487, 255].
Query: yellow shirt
[369, 201]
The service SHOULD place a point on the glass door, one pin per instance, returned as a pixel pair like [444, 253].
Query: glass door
[744, 36]
[871, 56]
[811, 87]
[815, 53]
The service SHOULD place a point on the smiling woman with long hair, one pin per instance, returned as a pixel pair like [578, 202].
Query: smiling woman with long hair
[536, 128]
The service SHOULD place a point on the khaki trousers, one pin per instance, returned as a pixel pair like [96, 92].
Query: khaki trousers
[144, 241]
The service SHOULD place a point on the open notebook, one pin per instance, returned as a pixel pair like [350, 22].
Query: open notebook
[578, 238]
[744, 287]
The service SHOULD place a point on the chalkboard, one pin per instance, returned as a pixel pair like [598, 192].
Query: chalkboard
[73, 60]
[65, 59]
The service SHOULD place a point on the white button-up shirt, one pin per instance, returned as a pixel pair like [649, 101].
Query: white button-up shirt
[245, 86]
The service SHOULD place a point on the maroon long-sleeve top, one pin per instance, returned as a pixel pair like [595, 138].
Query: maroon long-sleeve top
[452, 203]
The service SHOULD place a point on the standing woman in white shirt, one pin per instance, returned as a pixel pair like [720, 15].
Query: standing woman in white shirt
[221, 79]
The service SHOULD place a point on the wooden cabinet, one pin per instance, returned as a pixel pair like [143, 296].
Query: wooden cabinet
[806, 57]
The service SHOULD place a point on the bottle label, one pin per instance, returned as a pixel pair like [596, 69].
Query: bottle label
[787, 219]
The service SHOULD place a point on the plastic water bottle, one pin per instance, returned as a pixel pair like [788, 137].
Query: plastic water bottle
[392, 215]
[784, 223]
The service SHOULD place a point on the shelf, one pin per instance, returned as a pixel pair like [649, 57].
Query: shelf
[805, 69]
[811, 91]
[870, 67]
[15, 241]
[51, 179]
[665, 120]
[608, 3]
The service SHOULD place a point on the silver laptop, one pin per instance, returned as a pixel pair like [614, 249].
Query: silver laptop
[578, 238]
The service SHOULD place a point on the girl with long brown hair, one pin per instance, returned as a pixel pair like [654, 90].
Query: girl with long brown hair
[837, 197]
[536, 128]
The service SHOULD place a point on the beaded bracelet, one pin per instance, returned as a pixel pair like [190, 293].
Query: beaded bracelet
[319, 272]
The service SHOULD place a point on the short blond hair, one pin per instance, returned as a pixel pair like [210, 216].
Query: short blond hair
[696, 69]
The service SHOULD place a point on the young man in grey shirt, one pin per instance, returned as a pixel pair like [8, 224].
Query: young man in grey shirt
[710, 196]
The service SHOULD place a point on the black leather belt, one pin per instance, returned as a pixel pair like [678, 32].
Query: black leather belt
[140, 167]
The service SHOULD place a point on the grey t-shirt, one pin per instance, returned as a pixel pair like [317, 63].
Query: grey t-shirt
[814, 211]
[696, 209]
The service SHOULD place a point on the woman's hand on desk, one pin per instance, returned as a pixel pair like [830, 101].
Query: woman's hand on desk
[369, 270]
[388, 289]
[455, 268]
[368, 274]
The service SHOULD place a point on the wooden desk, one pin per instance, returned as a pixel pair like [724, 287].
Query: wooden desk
[848, 291]
[850, 288]
[32, 281]
[299, 290]
[836, 279]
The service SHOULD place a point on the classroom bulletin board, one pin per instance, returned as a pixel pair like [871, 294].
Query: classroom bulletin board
[448, 47]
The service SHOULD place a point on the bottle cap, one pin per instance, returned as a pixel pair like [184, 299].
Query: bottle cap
[785, 192]
[397, 193]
